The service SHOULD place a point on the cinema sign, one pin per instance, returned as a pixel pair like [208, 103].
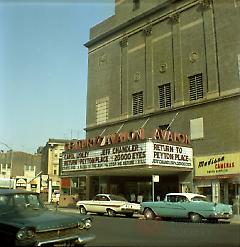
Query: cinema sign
[141, 153]
[123, 137]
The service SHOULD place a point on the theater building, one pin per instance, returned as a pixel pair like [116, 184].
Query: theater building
[171, 66]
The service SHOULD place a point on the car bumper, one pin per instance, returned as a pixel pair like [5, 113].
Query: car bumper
[220, 216]
[76, 239]
[129, 210]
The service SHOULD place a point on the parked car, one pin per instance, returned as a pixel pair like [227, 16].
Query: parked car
[186, 205]
[26, 221]
[110, 204]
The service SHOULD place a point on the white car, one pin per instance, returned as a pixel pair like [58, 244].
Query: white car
[110, 204]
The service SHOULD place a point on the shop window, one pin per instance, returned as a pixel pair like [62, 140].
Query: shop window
[196, 87]
[164, 95]
[137, 103]
[196, 128]
[102, 107]
[136, 4]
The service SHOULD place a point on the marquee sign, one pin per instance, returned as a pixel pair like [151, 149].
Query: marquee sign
[145, 153]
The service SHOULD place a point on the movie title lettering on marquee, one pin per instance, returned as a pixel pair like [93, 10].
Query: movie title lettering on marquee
[149, 152]
[171, 155]
[134, 154]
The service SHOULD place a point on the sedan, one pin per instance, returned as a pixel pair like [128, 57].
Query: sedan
[25, 221]
[110, 204]
[186, 205]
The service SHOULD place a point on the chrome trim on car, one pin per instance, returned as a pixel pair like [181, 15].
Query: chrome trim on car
[78, 239]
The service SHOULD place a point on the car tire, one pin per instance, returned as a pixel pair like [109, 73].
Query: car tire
[195, 218]
[111, 213]
[82, 210]
[149, 214]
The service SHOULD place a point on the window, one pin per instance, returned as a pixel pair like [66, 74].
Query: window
[182, 199]
[196, 87]
[102, 106]
[196, 128]
[165, 95]
[6, 166]
[171, 198]
[136, 4]
[29, 168]
[137, 103]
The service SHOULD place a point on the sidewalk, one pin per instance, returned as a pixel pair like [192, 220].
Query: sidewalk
[234, 220]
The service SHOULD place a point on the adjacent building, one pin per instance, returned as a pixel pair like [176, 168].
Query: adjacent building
[21, 168]
[170, 69]
[51, 157]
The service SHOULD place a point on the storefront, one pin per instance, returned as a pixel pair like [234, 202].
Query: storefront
[126, 164]
[218, 177]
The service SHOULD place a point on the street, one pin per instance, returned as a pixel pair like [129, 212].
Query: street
[122, 231]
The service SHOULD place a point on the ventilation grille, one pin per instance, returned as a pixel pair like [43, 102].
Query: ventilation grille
[165, 95]
[137, 103]
[196, 87]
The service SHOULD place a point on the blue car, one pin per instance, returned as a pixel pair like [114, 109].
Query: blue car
[25, 221]
[191, 206]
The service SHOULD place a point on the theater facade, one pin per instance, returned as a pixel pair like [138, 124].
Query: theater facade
[128, 162]
[161, 66]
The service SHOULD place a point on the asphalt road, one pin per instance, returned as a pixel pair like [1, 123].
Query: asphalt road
[134, 232]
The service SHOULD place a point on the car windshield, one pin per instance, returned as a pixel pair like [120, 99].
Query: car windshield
[117, 198]
[199, 199]
[20, 200]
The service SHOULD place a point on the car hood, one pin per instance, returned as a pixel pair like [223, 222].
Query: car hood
[42, 220]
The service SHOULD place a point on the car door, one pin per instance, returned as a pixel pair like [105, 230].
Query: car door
[103, 204]
[174, 206]
[93, 206]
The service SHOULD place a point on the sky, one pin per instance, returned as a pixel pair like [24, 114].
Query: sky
[43, 69]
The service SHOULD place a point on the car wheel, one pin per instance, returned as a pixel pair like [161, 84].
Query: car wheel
[111, 213]
[195, 218]
[149, 214]
[82, 210]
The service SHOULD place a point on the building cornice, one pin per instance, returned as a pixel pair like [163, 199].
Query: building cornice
[128, 23]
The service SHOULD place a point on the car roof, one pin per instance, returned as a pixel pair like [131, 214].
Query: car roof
[108, 195]
[103, 195]
[188, 195]
[15, 191]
